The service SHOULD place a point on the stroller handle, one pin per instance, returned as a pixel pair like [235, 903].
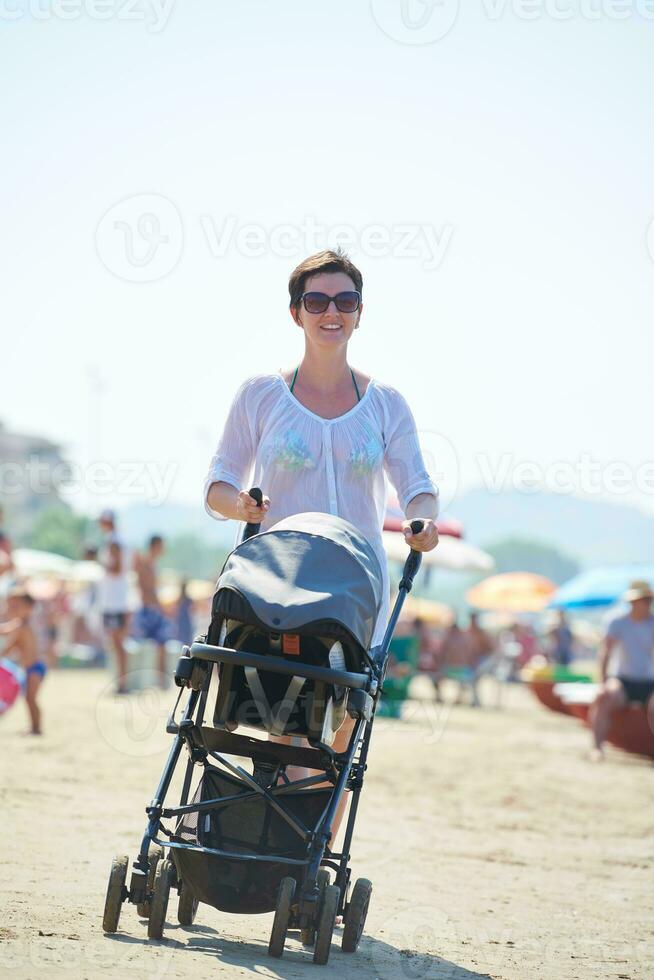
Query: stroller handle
[252, 529]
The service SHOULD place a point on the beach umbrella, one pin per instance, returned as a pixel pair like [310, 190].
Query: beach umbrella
[512, 592]
[431, 612]
[86, 571]
[28, 561]
[451, 553]
[601, 586]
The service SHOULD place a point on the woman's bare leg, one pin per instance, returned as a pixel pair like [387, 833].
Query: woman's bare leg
[341, 742]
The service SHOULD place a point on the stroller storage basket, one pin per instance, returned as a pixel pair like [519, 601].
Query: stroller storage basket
[250, 827]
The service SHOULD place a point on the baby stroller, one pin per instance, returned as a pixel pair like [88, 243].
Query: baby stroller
[287, 654]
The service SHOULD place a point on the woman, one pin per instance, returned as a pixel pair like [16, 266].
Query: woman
[320, 437]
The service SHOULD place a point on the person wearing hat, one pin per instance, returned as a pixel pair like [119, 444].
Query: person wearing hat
[631, 638]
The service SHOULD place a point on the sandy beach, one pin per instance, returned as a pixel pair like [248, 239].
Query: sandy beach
[495, 849]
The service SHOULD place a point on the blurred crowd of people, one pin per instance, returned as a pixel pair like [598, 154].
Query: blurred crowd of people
[43, 618]
[465, 654]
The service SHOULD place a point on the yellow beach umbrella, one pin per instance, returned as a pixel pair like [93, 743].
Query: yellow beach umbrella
[512, 592]
[431, 612]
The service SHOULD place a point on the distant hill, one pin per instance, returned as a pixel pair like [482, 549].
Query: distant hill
[591, 531]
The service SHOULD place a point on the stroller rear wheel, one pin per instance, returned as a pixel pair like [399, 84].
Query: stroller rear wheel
[116, 893]
[285, 897]
[187, 906]
[326, 921]
[308, 935]
[143, 908]
[159, 901]
[355, 915]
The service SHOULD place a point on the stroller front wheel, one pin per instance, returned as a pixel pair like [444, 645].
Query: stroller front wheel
[326, 922]
[116, 894]
[355, 915]
[187, 906]
[285, 897]
[159, 900]
[308, 935]
[143, 908]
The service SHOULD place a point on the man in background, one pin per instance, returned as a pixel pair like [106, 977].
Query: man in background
[631, 638]
[150, 622]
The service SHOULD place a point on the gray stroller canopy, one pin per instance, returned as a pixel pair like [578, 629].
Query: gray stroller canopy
[307, 568]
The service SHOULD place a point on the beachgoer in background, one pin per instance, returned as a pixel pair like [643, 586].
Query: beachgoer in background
[114, 594]
[481, 647]
[54, 614]
[21, 641]
[632, 638]
[6, 558]
[149, 621]
[183, 623]
[561, 642]
[527, 640]
[430, 659]
[454, 657]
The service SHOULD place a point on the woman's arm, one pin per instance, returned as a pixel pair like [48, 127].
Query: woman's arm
[237, 505]
[423, 505]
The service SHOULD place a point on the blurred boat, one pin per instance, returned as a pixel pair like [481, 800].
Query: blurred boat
[630, 728]
[543, 679]
[512, 592]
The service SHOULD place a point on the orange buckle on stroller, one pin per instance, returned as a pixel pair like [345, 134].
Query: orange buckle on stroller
[291, 644]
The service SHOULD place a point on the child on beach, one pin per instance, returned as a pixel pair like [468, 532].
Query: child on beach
[21, 641]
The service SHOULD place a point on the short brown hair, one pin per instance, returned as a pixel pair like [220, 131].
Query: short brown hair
[326, 261]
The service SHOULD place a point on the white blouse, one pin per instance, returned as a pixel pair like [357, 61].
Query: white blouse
[304, 462]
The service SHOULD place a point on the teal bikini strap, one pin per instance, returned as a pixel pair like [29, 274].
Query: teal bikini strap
[354, 382]
[356, 388]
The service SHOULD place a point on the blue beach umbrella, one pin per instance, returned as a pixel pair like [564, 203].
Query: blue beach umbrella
[600, 586]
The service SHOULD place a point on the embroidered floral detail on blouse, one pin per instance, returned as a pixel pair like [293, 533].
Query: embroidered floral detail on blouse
[365, 458]
[290, 452]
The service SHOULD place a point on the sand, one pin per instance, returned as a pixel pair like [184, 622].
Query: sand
[495, 849]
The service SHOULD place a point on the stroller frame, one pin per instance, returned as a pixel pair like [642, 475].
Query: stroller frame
[344, 770]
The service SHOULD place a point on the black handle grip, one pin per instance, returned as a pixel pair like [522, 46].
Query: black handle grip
[414, 559]
[252, 529]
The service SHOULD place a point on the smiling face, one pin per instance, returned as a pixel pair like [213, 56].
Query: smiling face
[331, 328]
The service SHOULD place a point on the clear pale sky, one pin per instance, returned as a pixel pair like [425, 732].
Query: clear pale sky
[519, 329]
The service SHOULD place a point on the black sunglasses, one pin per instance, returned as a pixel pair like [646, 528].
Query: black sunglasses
[346, 302]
